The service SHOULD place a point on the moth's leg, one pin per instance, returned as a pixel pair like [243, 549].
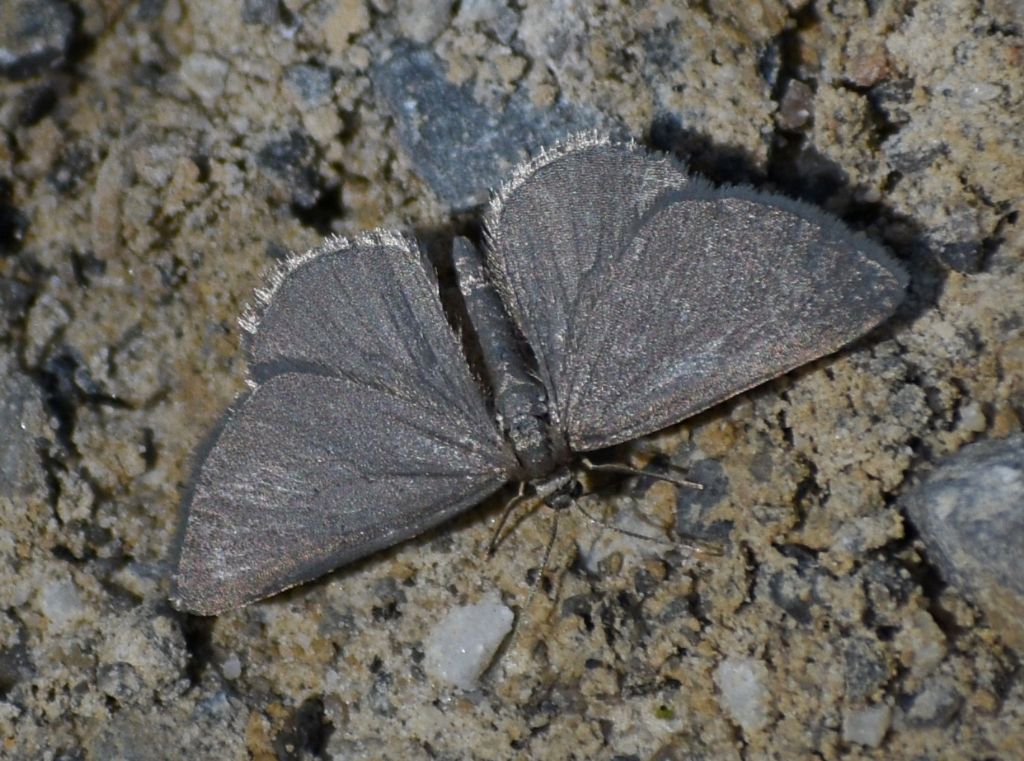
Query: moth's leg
[519, 497]
[631, 471]
[544, 561]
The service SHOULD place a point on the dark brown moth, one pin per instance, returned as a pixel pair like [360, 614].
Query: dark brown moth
[643, 295]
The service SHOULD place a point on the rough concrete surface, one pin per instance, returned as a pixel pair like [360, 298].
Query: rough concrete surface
[157, 156]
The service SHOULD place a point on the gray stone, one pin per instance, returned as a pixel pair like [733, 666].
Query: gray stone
[935, 705]
[22, 422]
[865, 669]
[693, 506]
[958, 239]
[970, 515]
[261, 12]
[14, 299]
[797, 106]
[908, 157]
[891, 98]
[867, 726]
[149, 10]
[34, 35]
[15, 666]
[793, 591]
[459, 146]
[312, 84]
[291, 162]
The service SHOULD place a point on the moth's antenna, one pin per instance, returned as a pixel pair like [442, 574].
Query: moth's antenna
[631, 471]
[505, 513]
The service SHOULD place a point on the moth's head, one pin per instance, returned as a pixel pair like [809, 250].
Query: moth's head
[565, 490]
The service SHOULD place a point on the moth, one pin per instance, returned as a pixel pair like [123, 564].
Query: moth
[614, 295]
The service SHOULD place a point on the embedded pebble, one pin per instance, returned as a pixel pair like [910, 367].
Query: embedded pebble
[205, 75]
[312, 84]
[22, 420]
[867, 726]
[61, 603]
[865, 669]
[263, 12]
[797, 106]
[970, 515]
[458, 145]
[461, 646]
[290, 161]
[744, 695]
[935, 705]
[231, 667]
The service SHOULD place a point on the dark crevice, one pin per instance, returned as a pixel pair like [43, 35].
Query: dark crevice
[808, 494]
[582, 607]
[696, 607]
[59, 397]
[85, 266]
[723, 165]
[50, 465]
[305, 733]
[81, 44]
[322, 214]
[783, 424]
[198, 633]
[992, 243]
[751, 570]
[36, 103]
[149, 448]
[67, 384]
[13, 222]
[202, 162]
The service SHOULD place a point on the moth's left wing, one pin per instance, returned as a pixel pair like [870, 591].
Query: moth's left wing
[365, 427]
[311, 472]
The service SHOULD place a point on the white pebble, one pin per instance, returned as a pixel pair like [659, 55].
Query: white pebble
[205, 76]
[744, 696]
[231, 668]
[60, 602]
[461, 646]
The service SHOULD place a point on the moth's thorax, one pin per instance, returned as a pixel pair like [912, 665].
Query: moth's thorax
[538, 448]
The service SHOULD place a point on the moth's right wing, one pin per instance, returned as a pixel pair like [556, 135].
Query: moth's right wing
[647, 296]
[365, 427]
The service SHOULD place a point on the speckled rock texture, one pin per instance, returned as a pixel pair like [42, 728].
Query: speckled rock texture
[970, 514]
[157, 156]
